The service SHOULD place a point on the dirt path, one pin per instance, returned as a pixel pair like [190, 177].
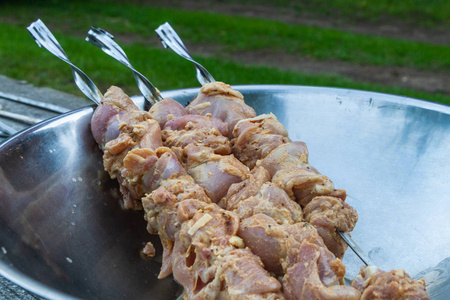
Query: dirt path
[389, 28]
[433, 82]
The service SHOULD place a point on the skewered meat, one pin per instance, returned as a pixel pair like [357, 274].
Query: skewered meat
[105, 122]
[215, 173]
[221, 101]
[256, 137]
[374, 283]
[209, 259]
[297, 253]
[328, 214]
[161, 212]
[173, 206]
[258, 195]
[198, 130]
[263, 141]
[307, 279]
[200, 241]
[120, 127]
[166, 110]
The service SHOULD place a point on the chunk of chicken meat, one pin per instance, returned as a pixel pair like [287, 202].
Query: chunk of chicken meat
[105, 120]
[197, 130]
[160, 208]
[210, 261]
[289, 168]
[215, 173]
[255, 138]
[280, 249]
[303, 278]
[286, 156]
[221, 101]
[257, 195]
[120, 127]
[328, 214]
[166, 110]
[374, 283]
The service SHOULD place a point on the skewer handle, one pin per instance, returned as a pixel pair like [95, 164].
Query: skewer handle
[44, 38]
[169, 38]
[105, 41]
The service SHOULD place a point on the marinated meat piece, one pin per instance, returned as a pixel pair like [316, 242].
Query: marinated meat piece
[328, 214]
[144, 170]
[255, 138]
[221, 101]
[209, 259]
[285, 156]
[120, 127]
[166, 167]
[149, 250]
[160, 213]
[160, 208]
[244, 278]
[166, 110]
[265, 238]
[184, 188]
[105, 120]
[303, 278]
[302, 184]
[144, 134]
[297, 251]
[271, 241]
[215, 173]
[198, 130]
[374, 283]
[257, 195]
[180, 123]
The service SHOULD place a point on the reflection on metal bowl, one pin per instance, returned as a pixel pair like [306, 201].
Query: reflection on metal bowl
[64, 234]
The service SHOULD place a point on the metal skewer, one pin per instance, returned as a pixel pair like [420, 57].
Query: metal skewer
[105, 41]
[44, 38]
[358, 251]
[170, 38]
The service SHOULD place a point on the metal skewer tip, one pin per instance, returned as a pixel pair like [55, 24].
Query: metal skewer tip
[358, 251]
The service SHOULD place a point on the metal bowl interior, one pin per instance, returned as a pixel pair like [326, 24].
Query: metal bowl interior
[64, 234]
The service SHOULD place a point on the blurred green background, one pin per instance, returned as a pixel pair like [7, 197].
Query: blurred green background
[399, 47]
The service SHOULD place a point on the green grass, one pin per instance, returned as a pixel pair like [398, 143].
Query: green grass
[426, 13]
[165, 69]
[236, 33]
[21, 58]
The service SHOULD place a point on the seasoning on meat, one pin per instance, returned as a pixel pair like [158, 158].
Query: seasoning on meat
[229, 223]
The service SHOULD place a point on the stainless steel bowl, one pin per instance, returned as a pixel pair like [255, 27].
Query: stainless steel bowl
[63, 233]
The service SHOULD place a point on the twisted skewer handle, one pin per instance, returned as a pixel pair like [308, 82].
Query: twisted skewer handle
[104, 40]
[169, 38]
[44, 38]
